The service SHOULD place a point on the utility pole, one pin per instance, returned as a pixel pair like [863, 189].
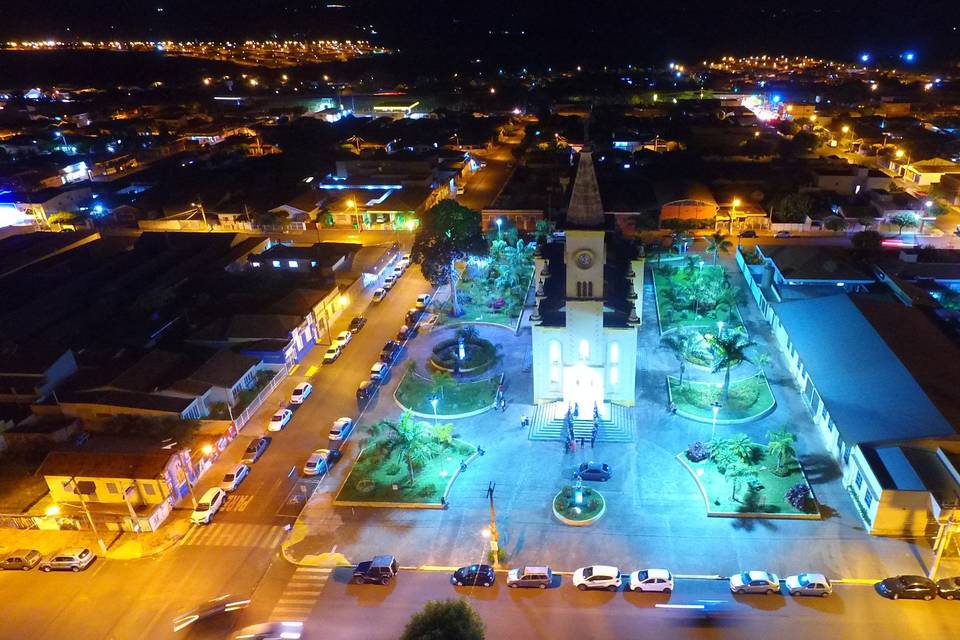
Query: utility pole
[86, 510]
[944, 535]
[494, 534]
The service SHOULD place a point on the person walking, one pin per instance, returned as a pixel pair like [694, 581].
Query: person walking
[593, 436]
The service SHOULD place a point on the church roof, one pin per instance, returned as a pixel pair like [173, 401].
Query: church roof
[585, 209]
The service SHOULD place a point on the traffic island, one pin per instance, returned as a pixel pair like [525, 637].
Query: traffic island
[455, 400]
[749, 399]
[578, 506]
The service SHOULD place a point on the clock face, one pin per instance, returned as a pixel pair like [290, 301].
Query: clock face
[584, 259]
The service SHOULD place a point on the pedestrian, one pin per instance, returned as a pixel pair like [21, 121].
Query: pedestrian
[524, 422]
[593, 437]
[583, 442]
[576, 409]
[573, 446]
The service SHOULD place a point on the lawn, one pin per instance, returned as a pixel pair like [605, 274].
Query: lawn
[769, 499]
[677, 305]
[749, 398]
[476, 297]
[415, 393]
[372, 479]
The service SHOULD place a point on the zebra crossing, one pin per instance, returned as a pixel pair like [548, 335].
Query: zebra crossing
[234, 534]
[301, 593]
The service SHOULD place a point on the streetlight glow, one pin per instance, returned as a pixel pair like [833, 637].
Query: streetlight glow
[52, 510]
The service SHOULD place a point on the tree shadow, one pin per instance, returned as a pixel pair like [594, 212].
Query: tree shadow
[820, 468]
[749, 524]
[827, 512]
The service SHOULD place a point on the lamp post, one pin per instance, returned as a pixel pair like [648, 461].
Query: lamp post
[433, 403]
[733, 212]
[719, 328]
[499, 224]
[716, 409]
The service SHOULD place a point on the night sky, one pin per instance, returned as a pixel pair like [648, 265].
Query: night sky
[532, 32]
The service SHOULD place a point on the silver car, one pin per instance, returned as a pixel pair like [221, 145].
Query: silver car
[70, 559]
[808, 584]
[754, 582]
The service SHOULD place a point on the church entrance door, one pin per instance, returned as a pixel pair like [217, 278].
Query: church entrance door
[583, 385]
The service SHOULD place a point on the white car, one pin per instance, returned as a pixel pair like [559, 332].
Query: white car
[280, 420]
[343, 339]
[651, 580]
[379, 294]
[332, 354]
[318, 462]
[808, 584]
[208, 505]
[599, 576]
[300, 393]
[389, 281]
[423, 300]
[379, 371]
[233, 478]
[754, 582]
[341, 429]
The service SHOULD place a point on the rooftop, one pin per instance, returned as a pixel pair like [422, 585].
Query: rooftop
[815, 262]
[105, 465]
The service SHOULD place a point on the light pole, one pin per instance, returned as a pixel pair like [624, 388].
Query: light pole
[716, 409]
[433, 403]
[719, 328]
[499, 224]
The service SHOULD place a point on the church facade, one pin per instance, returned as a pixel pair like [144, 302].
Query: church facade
[589, 305]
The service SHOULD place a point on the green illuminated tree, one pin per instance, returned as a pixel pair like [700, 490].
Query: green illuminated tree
[717, 242]
[730, 349]
[780, 444]
[904, 220]
[445, 620]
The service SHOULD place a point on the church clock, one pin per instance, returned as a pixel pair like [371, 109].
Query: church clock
[584, 259]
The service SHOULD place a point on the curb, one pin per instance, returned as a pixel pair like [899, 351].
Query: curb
[729, 421]
[578, 523]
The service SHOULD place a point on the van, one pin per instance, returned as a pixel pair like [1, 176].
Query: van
[208, 506]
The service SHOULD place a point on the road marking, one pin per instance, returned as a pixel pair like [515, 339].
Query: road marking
[312, 371]
[300, 593]
[293, 370]
[232, 534]
[237, 502]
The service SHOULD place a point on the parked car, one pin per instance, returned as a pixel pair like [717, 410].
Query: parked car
[208, 505]
[783, 234]
[255, 450]
[379, 371]
[406, 332]
[341, 428]
[320, 462]
[754, 582]
[233, 478]
[357, 323]
[461, 189]
[301, 392]
[907, 587]
[949, 588]
[530, 576]
[390, 352]
[598, 576]
[413, 316]
[423, 300]
[20, 560]
[651, 580]
[283, 630]
[389, 281]
[594, 471]
[474, 575]
[808, 584]
[748, 233]
[332, 353]
[343, 339]
[69, 559]
[280, 420]
[365, 392]
[379, 294]
[380, 570]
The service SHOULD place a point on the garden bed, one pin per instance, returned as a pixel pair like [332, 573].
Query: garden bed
[769, 501]
[415, 392]
[750, 399]
[481, 303]
[372, 478]
[592, 508]
[676, 309]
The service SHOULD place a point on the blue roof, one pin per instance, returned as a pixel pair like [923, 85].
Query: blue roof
[870, 394]
[902, 473]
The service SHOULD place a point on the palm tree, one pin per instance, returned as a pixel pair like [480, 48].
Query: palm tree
[717, 242]
[440, 380]
[414, 440]
[730, 350]
[781, 444]
[734, 472]
[683, 347]
[742, 447]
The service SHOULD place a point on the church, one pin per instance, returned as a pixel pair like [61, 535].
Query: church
[589, 305]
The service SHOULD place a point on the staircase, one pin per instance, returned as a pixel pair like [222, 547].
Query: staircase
[547, 423]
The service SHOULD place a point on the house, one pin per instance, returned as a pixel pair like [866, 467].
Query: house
[30, 375]
[849, 180]
[302, 208]
[228, 373]
[949, 188]
[136, 491]
[321, 258]
[40, 205]
[274, 338]
[930, 171]
[890, 204]
[794, 271]
[98, 405]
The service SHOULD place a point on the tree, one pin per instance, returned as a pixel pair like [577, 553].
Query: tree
[780, 444]
[413, 440]
[795, 207]
[835, 223]
[904, 220]
[734, 473]
[730, 350]
[543, 231]
[742, 447]
[717, 242]
[866, 241]
[445, 620]
[447, 233]
[681, 344]
[271, 218]
[866, 221]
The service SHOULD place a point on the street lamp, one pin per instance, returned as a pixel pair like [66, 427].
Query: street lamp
[52, 510]
[716, 409]
[733, 212]
[845, 129]
[499, 224]
[720, 328]
[433, 403]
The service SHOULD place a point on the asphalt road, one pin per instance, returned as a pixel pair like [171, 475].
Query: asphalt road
[371, 612]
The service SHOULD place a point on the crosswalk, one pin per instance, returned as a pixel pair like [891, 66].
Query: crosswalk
[234, 534]
[301, 593]
[237, 502]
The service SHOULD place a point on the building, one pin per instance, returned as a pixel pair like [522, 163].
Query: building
[589, 297]
[849, 180]
[40, 205]
[685, 200]
[929, 171]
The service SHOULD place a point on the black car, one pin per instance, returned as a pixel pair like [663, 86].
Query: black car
[413, 315]
[594, 471]
[748, 233]
[357, 323]
[390, 352]
[406, 333]
[256, 449]
[907, 587]
[380, 570]
[474, 575]
[949, 588]
[366, 391]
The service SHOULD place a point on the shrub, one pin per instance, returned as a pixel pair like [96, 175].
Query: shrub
[427, 490]
[697, 452]
[393, 469]
[593, 505]
[501, 556]
[798, 495]
[567, 491]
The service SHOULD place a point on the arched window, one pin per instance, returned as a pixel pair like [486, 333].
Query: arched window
[614, 353]
[579, 289]
[554, 352]
[590, 289]
[584, 349]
